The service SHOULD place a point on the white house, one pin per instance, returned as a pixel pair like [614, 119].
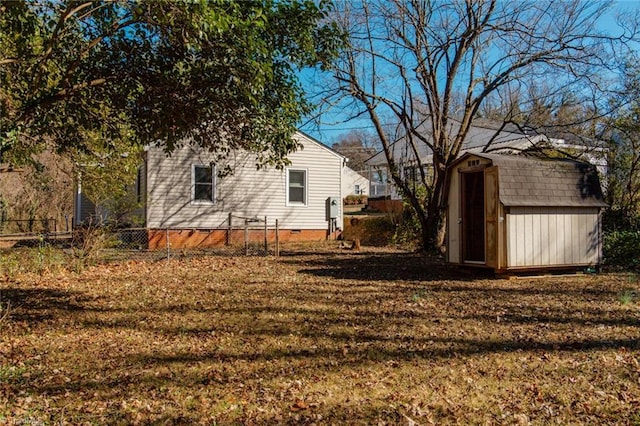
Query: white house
[353, 183]
[186, 199]
[482, 137]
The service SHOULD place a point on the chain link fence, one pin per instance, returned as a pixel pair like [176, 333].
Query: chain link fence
[28, 226]
[248, 236]
[242, 236]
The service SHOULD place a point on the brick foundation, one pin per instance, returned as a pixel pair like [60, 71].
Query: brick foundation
[200, 238]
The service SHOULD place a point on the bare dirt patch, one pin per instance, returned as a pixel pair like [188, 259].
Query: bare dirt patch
[376, 337]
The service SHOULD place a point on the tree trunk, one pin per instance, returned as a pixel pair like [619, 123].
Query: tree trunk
[433, 234]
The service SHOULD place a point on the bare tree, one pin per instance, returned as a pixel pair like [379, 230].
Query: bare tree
[357, 145]
[41, 190]
[623, 179]
[431, 65]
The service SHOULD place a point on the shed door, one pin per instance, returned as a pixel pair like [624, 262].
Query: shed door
[491, 216]
[473, 216]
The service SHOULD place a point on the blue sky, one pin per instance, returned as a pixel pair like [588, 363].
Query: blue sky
[333, 125]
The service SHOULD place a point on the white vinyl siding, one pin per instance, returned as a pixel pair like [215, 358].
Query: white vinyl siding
[353, 183]
[297, 187]
[248, 192]
[552, 236]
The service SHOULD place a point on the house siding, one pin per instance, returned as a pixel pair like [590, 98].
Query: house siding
[246, 193]
[350, 179]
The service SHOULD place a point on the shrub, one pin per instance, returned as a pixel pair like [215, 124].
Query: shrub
[622, 249]
[619, 220]
[407, 230]
[36, 259]
[355, 199]
[89, 242]
[372, 231]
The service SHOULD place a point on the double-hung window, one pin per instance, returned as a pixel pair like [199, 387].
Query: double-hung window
[296, 187]
[203, 187]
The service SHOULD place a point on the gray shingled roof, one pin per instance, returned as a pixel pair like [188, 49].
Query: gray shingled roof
[528, 182]
[477, 138]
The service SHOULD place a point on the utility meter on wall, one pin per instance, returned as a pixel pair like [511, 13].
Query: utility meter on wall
[333, 208]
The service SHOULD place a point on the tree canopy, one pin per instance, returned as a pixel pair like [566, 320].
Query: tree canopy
[219, 73]
[357, 146]
[623, 129]
[429, 68]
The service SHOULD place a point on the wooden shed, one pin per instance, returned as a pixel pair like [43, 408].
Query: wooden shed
[513, 213]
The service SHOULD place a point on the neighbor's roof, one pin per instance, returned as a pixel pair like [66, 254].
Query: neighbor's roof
[476, 140]
[528, 182]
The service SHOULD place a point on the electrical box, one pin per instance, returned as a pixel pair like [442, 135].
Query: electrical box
[333, 208]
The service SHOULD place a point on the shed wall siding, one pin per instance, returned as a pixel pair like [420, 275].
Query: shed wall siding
[248, 192]
[552, 236]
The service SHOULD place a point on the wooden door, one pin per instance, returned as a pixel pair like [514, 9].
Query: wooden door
[492, 228]
[473, 221]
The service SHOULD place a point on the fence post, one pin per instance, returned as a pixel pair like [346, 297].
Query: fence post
[168, 243]
[229, 229]
[246, 237]
[266, 243]
[277, 239]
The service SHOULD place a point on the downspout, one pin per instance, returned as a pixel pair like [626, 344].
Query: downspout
[344, 164]
[77, 220]
[145, 195]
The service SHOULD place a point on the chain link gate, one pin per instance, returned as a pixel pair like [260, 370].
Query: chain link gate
[252, 236]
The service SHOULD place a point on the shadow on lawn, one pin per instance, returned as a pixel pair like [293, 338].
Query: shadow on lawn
[227, 368]
[354, 355]
[39, 304]
[386, 267]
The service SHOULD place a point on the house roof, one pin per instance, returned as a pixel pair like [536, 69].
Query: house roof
[476, 140]
[528, 182]
[297, 135]
[354, 173]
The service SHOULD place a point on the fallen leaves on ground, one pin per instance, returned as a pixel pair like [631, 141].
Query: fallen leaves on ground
[376, 337]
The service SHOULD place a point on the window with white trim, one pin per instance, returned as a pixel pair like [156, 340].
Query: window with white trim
[296, 187]
[203, 188]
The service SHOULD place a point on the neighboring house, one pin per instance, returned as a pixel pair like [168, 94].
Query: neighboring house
[187, 199]
[509, 140]
[353, 183]
[512, 213]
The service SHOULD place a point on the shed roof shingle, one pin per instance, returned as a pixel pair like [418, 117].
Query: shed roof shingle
[527, 182]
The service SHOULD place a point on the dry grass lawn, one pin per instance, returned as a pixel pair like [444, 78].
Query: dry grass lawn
[377, 337]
